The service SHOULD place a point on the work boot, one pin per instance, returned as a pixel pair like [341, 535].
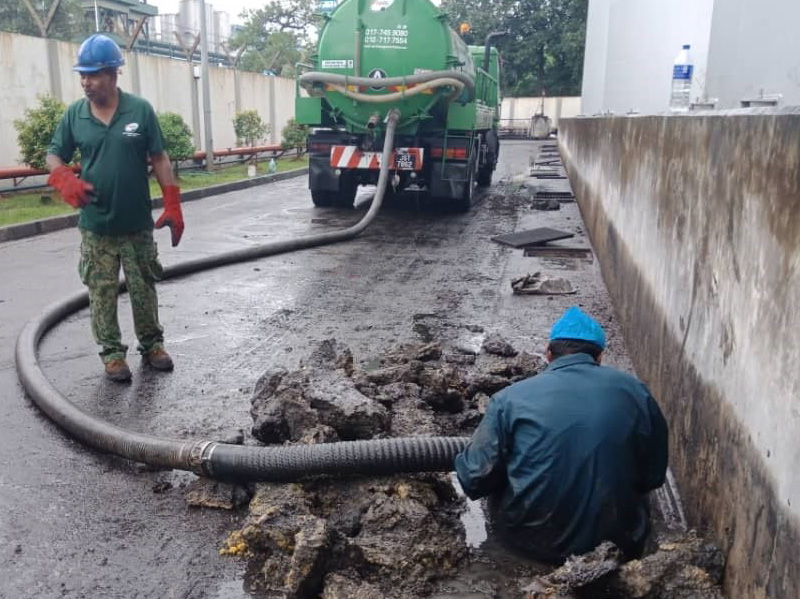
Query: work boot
[117, 370]
[159, 359]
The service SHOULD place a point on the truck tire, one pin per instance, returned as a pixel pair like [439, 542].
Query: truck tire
[464, 203]
[347, 192]
[485, 173]
[344, 198]
[322, 198]
[493, 149]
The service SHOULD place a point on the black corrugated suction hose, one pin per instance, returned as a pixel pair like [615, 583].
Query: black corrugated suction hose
[220, 460]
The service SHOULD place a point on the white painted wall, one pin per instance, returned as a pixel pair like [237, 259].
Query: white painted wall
[31, 67]
[631, 46]
[755, 47]
[593, 89]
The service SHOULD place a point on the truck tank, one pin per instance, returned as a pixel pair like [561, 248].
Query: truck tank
[373, 56]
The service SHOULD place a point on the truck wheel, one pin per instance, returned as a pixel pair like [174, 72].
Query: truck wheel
[485, 173]
[464, 203]
[322, 198]
[493, 149]
[347, 193]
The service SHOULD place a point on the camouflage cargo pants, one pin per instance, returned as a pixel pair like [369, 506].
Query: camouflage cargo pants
[101, 257]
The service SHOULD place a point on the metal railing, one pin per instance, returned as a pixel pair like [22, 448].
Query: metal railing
[18, 174]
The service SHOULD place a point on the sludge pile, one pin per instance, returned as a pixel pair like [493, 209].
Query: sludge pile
[397, 537]
[381, 537]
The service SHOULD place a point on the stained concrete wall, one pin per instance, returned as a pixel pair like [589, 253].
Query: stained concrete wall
[32, 66]
[695, 220]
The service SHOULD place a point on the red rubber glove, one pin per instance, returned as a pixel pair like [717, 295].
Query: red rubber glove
[173, 216]
[74, 191]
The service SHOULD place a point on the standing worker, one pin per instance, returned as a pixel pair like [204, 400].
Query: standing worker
[116, 132]
[568, 456]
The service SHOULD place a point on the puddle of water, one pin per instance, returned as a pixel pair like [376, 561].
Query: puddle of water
[471, 344]
[473, 519]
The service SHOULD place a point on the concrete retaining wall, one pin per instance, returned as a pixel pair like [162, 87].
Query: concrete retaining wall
[696, 220]
[33, 66]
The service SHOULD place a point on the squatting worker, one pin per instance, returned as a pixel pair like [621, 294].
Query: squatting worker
[568, 456]
[116, 132]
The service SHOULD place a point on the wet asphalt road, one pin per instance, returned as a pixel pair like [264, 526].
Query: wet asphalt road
[74, 523]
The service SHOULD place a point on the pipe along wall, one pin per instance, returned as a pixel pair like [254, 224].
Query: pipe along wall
[696, 222]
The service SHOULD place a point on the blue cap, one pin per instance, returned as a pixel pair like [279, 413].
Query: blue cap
[576, 324]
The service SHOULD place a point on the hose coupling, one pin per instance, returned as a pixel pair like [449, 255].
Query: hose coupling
[199, 459]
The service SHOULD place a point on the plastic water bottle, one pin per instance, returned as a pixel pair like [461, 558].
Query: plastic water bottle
[682, 71]
[272, 166]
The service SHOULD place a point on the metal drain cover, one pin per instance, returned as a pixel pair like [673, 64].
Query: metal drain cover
[538, 236]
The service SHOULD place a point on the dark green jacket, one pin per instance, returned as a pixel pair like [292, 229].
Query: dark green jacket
[114, 160]
[568, 457]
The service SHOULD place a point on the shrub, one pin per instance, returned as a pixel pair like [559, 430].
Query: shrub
[36, 129]
[294, 136]
[249, 127]
[177, 137]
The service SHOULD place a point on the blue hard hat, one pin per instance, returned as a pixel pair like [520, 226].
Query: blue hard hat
[576, 324]
[98, 52]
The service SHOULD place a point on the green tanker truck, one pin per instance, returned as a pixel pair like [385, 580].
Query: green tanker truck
[376, 56]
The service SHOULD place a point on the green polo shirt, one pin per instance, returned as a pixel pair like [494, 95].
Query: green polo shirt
[114, 160]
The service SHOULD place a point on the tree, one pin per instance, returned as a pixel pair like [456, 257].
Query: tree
[249, 128]
[69, 23]
[35, 131]
[276, 36]
[177, 137]
[543, 52]
[294, 136]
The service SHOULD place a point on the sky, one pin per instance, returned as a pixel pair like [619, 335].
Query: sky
[232, 7]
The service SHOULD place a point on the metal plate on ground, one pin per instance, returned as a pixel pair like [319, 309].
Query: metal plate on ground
[538, 236]
[561, 196]
[553, 251]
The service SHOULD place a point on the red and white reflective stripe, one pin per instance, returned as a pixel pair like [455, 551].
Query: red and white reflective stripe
[352, 157]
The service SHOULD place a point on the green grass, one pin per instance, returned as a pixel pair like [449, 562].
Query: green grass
[23, 207]
[27, 207]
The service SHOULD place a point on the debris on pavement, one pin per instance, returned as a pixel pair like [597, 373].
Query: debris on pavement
[546, 204]
[683, 567]
[403, 536]
[367, 537]
[496, 345]
[539, 284]
[577, 572]
[208, 493]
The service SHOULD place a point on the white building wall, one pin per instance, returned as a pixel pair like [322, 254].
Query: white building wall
[755, 48]
[593, 90]
[630, 49]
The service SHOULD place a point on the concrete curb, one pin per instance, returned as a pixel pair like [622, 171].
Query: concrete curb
[66, 221]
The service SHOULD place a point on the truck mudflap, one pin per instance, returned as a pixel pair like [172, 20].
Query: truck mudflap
[351, 157]
[449, 180]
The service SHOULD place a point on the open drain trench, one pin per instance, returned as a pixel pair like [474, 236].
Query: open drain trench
[220, 460]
